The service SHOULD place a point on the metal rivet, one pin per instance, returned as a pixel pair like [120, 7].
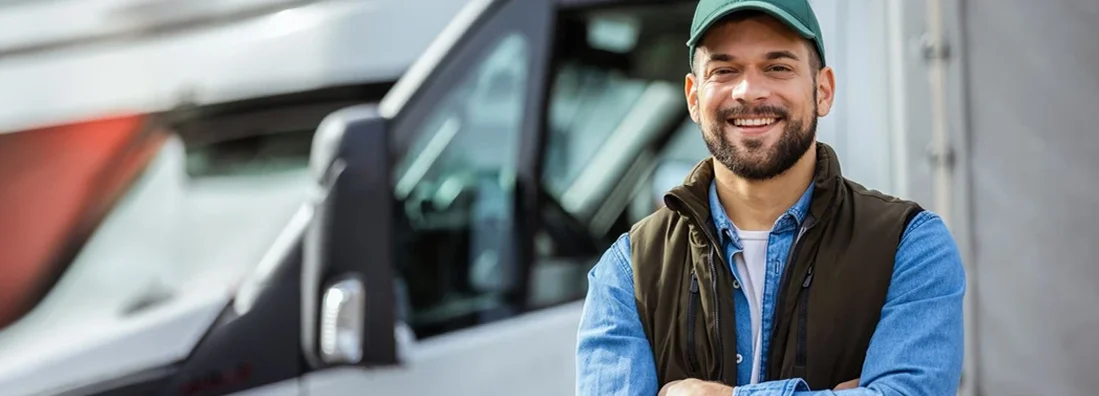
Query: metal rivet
[736, 284]
[739, 358]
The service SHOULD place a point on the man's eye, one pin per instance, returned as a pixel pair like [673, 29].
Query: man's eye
[780, 68]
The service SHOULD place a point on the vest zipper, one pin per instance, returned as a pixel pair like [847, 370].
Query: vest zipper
[714, 245]
[717, 315]
[692, 357]
[803, 315]
[787, 273]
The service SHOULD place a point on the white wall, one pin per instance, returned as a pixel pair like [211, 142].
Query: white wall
[856, 47]
[1033, 91]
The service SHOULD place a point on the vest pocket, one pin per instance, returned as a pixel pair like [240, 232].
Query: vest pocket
[692, 302]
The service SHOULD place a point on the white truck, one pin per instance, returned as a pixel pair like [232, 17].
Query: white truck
[317, 229]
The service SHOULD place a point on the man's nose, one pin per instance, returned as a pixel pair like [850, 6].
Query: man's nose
[751, 88]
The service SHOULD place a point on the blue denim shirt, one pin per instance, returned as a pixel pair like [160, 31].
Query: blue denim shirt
[916, 349]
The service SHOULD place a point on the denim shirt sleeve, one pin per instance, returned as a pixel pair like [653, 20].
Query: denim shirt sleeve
[613, 356]
[918, 345]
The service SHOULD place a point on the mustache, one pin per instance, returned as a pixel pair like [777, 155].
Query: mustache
[759, 111]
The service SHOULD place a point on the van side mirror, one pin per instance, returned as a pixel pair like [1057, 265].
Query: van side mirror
[348, 308]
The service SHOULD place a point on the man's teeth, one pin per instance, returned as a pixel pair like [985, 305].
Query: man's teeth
[753, 121]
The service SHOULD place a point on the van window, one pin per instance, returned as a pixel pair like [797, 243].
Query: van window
[456, 186]
[615, 97]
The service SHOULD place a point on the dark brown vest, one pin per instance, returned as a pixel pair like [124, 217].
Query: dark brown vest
[831, 293]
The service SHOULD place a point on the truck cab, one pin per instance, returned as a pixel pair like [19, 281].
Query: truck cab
[435, 241]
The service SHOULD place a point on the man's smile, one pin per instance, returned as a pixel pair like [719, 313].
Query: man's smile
[753, 125]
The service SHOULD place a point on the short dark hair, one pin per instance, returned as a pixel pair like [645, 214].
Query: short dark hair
[815, 63]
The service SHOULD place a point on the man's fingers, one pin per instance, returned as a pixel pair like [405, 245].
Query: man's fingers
[852, 384]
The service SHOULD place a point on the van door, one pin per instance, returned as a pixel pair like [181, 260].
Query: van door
[464, 126]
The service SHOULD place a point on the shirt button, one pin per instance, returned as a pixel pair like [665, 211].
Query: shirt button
[736, 284]
[739, 358]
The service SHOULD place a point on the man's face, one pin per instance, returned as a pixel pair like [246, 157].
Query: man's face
[756, 96]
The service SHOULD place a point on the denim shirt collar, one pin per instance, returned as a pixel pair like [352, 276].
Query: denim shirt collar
[791, 219]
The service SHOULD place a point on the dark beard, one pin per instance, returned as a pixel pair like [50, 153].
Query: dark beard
[791, 146]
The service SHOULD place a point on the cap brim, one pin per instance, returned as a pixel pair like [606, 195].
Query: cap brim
[750, 5]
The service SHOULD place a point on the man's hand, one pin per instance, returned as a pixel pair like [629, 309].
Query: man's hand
[695, 387]
[852, 384]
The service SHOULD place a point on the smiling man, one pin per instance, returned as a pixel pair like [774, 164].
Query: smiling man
[768, 272]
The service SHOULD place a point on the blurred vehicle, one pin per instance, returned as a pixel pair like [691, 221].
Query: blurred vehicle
[435, 241]
[64, 61]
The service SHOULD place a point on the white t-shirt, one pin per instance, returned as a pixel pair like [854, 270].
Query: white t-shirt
[751, 266]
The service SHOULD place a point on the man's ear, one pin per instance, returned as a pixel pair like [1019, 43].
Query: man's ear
[690, 90]
[826, 90]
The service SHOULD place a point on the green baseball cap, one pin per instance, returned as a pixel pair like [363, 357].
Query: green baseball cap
[797, 14]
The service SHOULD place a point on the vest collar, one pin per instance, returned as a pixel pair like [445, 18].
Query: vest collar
[693, 198]
[791, 219]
